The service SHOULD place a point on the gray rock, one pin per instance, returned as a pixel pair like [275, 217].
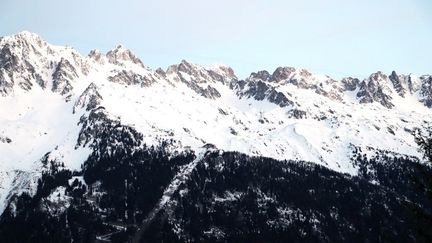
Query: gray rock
[375, 89]
[260, 90]
[398, 83]
[350, 84]
[131, 78]
[89, 99]
[63, 76]
[283, 74]
[200, 79]
[426, 90]
[121, 54]
[297, 114]
[260, 75]
[96, 56]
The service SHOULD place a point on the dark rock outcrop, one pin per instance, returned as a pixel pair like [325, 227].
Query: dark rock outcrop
[350, 84]
[376, 89]
[121, 54]
[131, 78]
[260, 90]
[89, 99]
[426, 90]
[63, 77]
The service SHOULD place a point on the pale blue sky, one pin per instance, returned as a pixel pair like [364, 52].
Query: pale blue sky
[335, 37]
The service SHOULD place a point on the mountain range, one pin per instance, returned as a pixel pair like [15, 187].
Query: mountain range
[102, 148]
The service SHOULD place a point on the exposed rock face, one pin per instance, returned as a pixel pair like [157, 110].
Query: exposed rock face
[26, 60]
[197, 74]
[426, 90]
[89, 99]
[4, 139]
[161, 72]
[207, 91]
[260, 90]
[260, 75]
[285, 74]
[350, 84]
[404, 84]
[262, 85]
[93, 178]
[63, 77]
[413, 83]
[131, 78]
[21, 61]
[200, 79]
[376, 88]
[398, 83]
[257, 86]
[222, 74]
[189, 72]
[120, 54]
[297, 114]
[97, 56]
[303, 79]
[7, 63]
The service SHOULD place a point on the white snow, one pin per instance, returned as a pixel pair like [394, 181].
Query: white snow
[40, 121]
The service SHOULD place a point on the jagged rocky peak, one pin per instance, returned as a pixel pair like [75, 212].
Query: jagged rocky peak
[376, 88]
[290, 75]
[198, 78]
[26, 39]
[121, 54]
[27, 46]
[23, 61]
[97, 56]
[293, 75]
[224, 71]
[260, 75]
[7, 63]
[172, 69]
[404, 83]
[302, 78]
[284, 73]
[128, 77]
[379, 76]
[259, 87]
[161, 72]
[189, 72]
[260, 90]
[280, 74]
[194, 72]
[63, 77]
[426, 90]
[398, 83]
[89, 99]
[350, 83]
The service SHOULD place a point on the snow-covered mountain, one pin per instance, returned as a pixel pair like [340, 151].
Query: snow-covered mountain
[49, 94]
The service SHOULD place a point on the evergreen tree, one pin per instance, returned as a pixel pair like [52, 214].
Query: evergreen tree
[424, 141]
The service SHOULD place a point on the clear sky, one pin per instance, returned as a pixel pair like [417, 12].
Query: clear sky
[335, 37]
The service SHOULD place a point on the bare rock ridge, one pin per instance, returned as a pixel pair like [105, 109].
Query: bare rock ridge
[26, 60]
[98, 147]
[63, 76]
[376, 89]
[426, 90]
[89, 99]
[121, 54]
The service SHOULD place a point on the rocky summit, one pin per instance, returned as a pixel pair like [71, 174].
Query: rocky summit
[102, 148]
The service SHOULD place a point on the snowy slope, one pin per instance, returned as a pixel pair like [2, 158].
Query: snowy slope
[46, 90]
